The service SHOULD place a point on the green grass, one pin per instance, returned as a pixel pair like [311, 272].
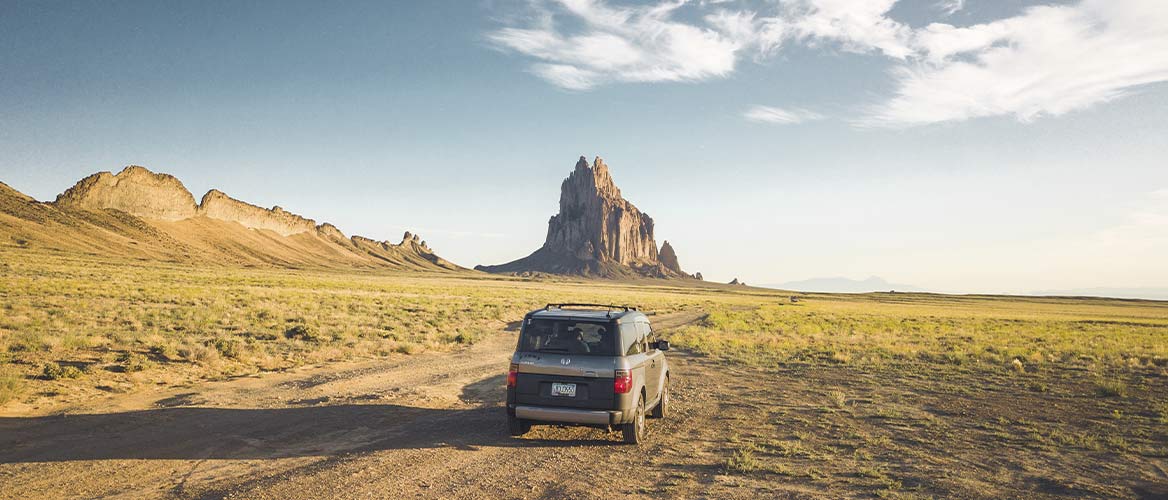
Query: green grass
[1111, 389]
[742, 460]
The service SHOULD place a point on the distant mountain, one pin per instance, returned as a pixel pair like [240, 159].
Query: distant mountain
[844, 285]
[1150, 293]
[138, 214]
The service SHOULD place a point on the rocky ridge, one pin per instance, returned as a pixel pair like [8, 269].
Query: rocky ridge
[140, 206]
[217, 205]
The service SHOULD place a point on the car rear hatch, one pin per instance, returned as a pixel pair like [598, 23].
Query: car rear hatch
[570, 381]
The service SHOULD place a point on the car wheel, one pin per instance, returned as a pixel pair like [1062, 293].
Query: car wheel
[635, 431]
[662, 407]
[518, 426]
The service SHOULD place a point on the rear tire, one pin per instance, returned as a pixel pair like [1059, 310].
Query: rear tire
[518, 426]
[662, 407]
[635, 431]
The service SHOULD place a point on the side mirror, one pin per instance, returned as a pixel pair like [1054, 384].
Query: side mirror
[661, 345]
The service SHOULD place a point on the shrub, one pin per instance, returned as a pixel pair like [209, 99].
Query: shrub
[407, 348]
[198, 353]
[742, 461]
[133, 362]
[227, 347]
[164, 352]
[11, 386]
[467, 337]
[303, 332]
[838, 398]
[57, 371]
[1111, 389]
[1017, 366]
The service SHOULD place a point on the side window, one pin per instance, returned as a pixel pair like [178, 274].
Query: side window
[631, 339]
[643, 338]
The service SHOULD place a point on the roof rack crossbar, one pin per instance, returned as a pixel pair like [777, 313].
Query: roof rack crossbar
[606, 306]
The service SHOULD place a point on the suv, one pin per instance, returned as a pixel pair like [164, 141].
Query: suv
[587, 364]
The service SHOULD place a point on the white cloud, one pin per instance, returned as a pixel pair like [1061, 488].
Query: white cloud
[855, 25]
[1050, 60]
[768, 114]
[629, 44]
[1047, 61]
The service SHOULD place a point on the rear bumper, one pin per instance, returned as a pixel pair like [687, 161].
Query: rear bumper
[569, 415]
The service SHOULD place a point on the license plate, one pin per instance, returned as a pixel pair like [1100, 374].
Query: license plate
[559, 389]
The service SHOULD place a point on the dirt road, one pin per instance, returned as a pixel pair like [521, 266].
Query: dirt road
[429, 425]
[432, 426]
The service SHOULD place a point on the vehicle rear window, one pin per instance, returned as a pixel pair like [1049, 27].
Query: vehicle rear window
[568, 337]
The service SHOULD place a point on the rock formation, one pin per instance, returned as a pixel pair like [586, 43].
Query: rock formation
[217, 205]
[668, 258]
[134, 190]
[596, 233]
[139, 213]
[331, 233]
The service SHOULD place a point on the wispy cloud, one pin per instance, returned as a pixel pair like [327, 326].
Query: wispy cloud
[950, 7]
[769, 114]
[850, 25]
[627, 44]
[1050, 60]
[1047, 61]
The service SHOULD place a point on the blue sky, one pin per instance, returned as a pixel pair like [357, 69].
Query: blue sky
[957, 146]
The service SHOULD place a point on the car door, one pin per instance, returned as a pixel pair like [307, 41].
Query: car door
[653, 364]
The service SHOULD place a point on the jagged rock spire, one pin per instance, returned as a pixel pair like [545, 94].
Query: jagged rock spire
[668, 257]
[596, 231]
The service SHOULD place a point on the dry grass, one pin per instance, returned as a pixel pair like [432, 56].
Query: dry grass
[1014, 334]
[142, 323]
[886, 395]
[147, 322]
[11, 386]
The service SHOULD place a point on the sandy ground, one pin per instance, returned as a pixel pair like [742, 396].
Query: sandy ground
[433, 426]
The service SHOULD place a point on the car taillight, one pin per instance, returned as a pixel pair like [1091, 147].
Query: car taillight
[512, 375]
[623, 383]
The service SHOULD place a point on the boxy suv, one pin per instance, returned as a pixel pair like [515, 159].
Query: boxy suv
[587, 364]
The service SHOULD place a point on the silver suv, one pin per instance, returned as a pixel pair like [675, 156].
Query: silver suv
[587, 364]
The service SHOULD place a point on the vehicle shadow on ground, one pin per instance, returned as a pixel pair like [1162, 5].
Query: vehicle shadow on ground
[242, 433]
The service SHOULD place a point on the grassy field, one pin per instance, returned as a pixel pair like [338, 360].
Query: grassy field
[892, 395]
[73, 326]
[68, 324]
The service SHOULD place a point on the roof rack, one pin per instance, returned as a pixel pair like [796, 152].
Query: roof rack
[606, 306]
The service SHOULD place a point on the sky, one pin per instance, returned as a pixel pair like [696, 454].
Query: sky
[957, 146]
